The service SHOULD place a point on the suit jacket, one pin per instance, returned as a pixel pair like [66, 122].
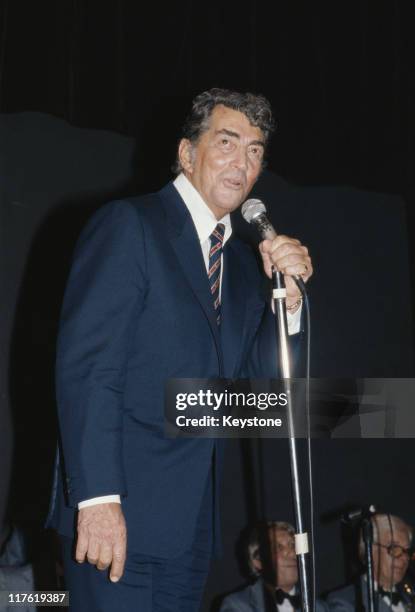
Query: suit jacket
[251, 599]
[137, 311]
[354, 597]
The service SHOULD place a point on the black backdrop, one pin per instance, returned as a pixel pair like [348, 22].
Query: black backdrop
[339, 74]
[341, 81]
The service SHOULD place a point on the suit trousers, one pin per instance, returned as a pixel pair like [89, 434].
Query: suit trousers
[149, 584]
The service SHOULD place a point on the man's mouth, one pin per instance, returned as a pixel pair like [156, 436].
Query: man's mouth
[233, 183]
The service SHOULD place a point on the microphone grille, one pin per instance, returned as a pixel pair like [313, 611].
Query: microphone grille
[252, 208]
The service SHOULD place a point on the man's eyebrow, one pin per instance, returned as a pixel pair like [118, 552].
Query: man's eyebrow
[261, 143]
[236, 135]
[228, 133]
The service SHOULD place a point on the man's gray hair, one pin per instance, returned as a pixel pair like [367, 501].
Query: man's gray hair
[254, 541]
[255, 107]
[382, 523]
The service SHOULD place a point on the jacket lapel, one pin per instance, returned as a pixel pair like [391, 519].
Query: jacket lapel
[184, 240]
[257, 596]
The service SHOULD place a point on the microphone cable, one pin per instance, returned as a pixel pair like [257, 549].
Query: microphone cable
[301, 285]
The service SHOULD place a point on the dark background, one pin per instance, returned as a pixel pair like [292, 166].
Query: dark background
[339, 75]
[107, 87]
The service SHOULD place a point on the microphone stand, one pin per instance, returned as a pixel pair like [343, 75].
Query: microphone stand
[301, 537]
[367, 534]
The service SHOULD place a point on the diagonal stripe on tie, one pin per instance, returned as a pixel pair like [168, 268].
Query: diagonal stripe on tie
[215, 248]
[215, 264]
[218, 233]
[215, 286]
[214, 268]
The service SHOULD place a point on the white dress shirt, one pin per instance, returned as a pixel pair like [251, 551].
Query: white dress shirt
[399, 607]
[205, 222]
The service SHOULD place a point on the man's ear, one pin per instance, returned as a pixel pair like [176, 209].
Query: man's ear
[186, 155]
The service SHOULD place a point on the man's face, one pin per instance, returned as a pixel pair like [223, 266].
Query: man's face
[284, 559]
[226, 160]
[389, 570]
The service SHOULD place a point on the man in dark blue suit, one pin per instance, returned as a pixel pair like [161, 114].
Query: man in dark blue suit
[159, 289]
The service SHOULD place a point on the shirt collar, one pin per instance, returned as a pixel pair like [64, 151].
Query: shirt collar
[203, 218]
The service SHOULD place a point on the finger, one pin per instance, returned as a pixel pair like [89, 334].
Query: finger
[118, 561]
[93, 551]
[81, 547]
[267, 246]
[288, 250]
[284, 242]
[308, 270]
[266, 259]
[292, 259]
[298, 269]
[268, 265]
[105, 557]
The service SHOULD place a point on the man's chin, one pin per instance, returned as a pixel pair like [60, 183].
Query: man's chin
[229, 204]
[290, 575]
[399, 577]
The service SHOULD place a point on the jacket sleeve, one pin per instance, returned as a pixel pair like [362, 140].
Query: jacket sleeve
[104, 296]
[263, 358]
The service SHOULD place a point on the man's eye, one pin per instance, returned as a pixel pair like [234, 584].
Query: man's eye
[225, 142]
[256, 152]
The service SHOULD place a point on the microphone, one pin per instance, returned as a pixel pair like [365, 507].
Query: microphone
[255, 213]
[356, 514]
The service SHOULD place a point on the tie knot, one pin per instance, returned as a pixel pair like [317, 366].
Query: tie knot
[281, 596]
[217, 234]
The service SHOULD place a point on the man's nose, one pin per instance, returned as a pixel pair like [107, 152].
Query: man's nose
[288, 552]
[240, 159]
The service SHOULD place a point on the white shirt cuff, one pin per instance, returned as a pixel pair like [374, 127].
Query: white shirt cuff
[294, 321]
[105, 499]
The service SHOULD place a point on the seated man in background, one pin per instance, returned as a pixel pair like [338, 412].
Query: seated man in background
[391, 554]
[272, 560]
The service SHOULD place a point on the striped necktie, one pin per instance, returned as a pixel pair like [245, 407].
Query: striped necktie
[215, 259]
